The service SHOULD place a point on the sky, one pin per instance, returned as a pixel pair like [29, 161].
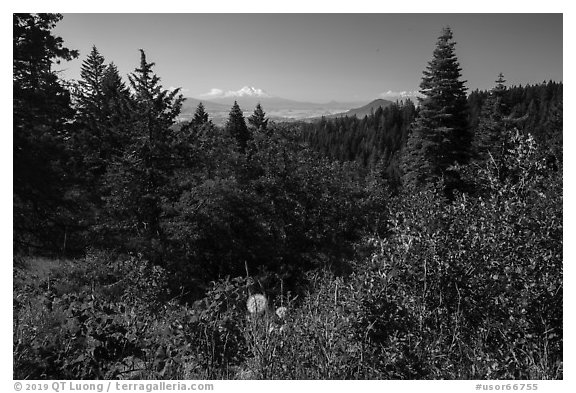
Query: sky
[317, 57]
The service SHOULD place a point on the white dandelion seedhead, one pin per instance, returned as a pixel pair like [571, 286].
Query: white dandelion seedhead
[256, 304]
[281, 312]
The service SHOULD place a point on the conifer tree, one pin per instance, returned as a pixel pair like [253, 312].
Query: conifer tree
[236, 127]
[158, 108]
[102, 124]
[117, 108]
[90, 118]
[258, 120]
[115, 117]
[200, 116]
[140, 179]
[488, 136]
[114, 89]
[440, 135]
[102, 104]
[42, 114]
[190, 131]
[89, 96]
[200, 121]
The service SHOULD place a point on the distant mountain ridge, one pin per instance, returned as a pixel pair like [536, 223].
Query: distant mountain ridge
[190, 104]
[271, 103]
[365, 110]
[218, 106]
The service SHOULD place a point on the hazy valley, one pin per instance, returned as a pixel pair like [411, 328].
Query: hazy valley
[277, 108]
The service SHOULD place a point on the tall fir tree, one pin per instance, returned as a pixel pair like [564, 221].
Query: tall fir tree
[42, 114]
[102, 106]
[140, 179]
[90, 96]
[158, 108]
[90, 117]
[258, 120]
[236, 127]
[102, 130]
[440, 135]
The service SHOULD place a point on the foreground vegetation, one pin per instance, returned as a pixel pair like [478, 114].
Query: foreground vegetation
[470, 289]
[141, 244]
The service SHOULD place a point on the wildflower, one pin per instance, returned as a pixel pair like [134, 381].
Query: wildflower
[247, 374]
[281, 312]
[256, 304]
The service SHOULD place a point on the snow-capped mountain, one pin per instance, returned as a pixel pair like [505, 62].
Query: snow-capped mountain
[249, 91]
[246, 91]
[401, 95]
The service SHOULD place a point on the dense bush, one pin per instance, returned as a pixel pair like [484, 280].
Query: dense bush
[473, 288]
[79, 320]
[279, 208]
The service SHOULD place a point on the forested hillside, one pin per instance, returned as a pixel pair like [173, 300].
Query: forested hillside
[368, 140]
[378, 139]
[421, 242]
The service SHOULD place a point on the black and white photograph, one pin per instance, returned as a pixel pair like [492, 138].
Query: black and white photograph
[287, 196]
